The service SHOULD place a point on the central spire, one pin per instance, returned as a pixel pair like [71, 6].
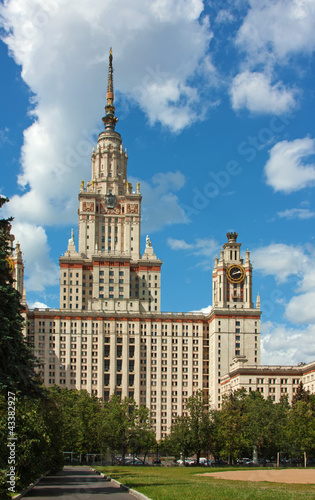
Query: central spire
[110, 119]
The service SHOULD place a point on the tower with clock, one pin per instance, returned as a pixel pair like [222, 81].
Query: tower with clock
[234, 327]
[232, 277]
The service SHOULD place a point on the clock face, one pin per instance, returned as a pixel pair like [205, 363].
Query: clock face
[235, 273]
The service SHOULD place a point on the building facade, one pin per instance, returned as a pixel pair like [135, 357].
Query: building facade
[272, 381]
[109, 334]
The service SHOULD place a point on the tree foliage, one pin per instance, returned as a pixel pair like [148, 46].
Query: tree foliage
[192, 432]
[81, 415]
[125, 426]
[232, 420]
[38, 447]
[17, 363]
[246, 421]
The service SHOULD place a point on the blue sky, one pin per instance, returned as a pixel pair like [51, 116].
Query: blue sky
[215, 102]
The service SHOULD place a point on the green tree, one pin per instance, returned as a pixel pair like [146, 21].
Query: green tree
[125, 427]
[81, 415]
[142, 438]
[192, 432]
[199, 422]
[38, 447]
[179, 440]
[263, 429]
[301, 428]
[231, 421]
[281, 412]
[17, 363]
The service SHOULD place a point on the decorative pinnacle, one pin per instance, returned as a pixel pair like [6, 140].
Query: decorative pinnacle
[110, 119]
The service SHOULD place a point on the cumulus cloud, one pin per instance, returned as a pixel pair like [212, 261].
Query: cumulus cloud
[280, 260]
[284, 261]
[37, 305]
[278, 29]
[281, 345]
[203, 310]
[40, 271]
[300, 309]
[160, 206]
[203, 248]
[224, 16]
[271, 34]
[255, 92]
[179, 244]
[290, 166]
[296, 213]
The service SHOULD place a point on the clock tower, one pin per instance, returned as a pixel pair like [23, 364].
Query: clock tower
[234, 322]
[232, 277]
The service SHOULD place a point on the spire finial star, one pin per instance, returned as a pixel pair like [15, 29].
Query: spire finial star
[110, 119]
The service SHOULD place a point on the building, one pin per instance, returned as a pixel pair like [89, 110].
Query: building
[272, 381]
[110, 336]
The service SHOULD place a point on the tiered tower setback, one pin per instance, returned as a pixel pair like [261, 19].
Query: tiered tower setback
[108, 273]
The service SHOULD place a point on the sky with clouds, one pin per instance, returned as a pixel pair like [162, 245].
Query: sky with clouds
[215, 102]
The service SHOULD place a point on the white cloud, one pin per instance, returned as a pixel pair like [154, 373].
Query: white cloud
[203, 310]
[160, 206]
[201, 247]
[57, 147]
[280, 260]
[278, 29]
[288, 168]
[297, 213]
[4, 136]
[170, 10]
[271, 34]
[255, 92]
[40, 271]
[37, 305]
[224, 16]
[300, 309]
[179, 244]
[162, 98]
[281, 345]
[284, 261]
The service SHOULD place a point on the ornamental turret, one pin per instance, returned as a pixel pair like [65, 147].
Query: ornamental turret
[232, 278]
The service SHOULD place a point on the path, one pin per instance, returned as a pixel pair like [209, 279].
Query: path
[76, 483]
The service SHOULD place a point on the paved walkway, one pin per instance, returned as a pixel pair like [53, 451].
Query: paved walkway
[76, 483]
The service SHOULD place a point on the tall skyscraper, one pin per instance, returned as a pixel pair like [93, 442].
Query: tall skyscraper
[110, 336]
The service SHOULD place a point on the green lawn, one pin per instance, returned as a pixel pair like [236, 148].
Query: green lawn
[177, 483]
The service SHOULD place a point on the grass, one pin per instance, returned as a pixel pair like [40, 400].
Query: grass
[181, 483]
